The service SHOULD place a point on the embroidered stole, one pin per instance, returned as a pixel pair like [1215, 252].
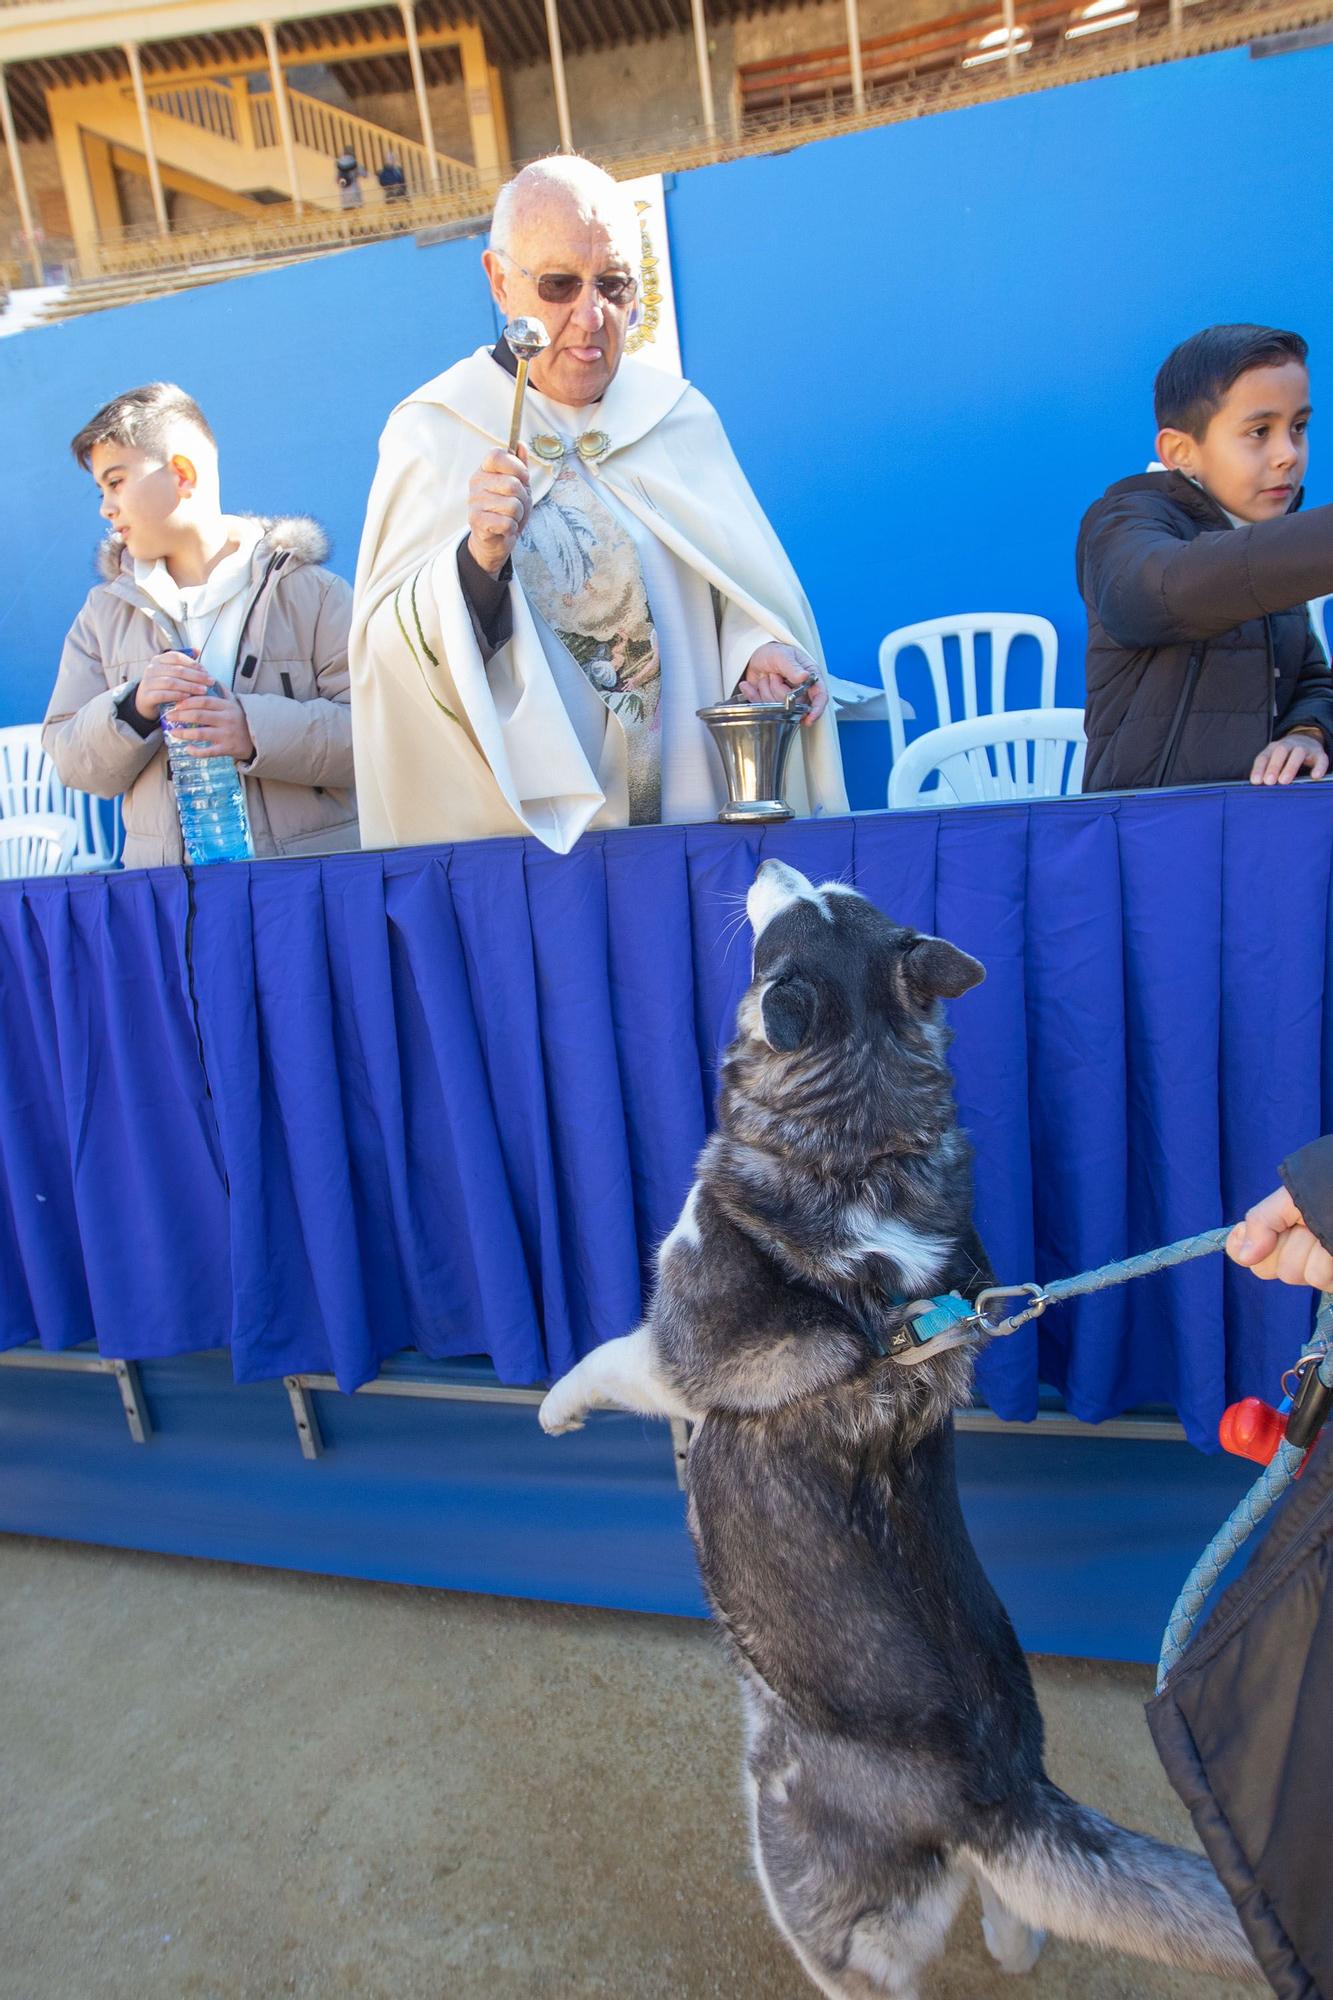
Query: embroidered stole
[580, 571]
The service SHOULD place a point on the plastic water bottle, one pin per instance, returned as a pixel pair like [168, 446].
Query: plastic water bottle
[210, 802]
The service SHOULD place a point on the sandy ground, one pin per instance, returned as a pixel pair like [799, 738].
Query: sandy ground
[229, 1783]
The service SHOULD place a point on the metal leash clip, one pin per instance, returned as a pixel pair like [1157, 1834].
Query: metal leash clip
[1009, 1322]
[1310, 1405]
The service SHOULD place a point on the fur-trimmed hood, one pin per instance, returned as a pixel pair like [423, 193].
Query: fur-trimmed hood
[302, 538]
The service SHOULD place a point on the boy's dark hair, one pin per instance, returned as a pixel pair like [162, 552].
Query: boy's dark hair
[1193, 381]
[142, 418]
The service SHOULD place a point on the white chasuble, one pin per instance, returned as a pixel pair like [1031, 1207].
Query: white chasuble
[542, 738]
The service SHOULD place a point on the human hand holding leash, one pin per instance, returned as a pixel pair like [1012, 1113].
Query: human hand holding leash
[1274, 1241]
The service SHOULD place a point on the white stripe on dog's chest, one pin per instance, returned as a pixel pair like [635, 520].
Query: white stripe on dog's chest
[686, 1230]
[919, 1257]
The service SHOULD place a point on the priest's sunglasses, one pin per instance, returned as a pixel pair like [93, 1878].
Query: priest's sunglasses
[561, 288]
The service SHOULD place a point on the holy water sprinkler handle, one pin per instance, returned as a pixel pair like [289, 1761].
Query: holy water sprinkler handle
[525, 339]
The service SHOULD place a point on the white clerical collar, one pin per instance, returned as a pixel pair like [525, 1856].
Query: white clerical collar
[563, 417]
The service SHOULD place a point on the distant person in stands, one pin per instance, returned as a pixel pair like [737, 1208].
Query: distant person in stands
[348, 174]
[1202, 663]
[227, 620]
[392, 179]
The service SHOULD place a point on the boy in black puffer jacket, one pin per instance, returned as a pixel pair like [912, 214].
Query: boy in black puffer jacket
[1202, 664]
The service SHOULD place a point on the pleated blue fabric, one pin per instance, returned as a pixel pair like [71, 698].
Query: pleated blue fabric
[318, 1111]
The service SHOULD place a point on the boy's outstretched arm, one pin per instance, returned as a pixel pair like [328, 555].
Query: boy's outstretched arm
[1151, 588]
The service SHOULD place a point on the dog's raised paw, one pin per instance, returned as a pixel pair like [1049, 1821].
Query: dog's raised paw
[557, 1416]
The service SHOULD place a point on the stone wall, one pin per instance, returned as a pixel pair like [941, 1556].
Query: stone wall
[620, 99]
[396, 111]
[41, 171]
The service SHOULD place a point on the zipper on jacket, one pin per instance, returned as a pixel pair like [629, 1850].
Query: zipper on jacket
[1272, 675]
[275, 563]
[1193, 668]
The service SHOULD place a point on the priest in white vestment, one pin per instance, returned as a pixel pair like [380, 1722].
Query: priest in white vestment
[533, 632]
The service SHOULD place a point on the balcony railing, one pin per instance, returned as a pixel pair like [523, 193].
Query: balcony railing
[899, 84]
[209, 107]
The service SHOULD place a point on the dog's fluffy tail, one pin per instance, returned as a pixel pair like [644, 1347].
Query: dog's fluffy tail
[1061, 1867]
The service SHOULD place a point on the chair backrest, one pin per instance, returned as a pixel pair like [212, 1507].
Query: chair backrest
[36, 844]
[101, 828]
[929, 636]
[29, 784]
[26, 772]
[1317, 619]
[1028, 753]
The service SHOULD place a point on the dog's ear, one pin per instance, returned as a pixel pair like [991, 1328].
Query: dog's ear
[788, 1010]
[935, 970]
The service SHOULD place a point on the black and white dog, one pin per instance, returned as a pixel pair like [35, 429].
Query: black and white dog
[894, 1745]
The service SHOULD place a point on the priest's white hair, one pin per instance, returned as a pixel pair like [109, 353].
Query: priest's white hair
[588, 188]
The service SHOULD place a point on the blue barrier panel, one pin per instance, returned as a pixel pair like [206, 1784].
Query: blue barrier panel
[1087, 1539]
[450, 1098]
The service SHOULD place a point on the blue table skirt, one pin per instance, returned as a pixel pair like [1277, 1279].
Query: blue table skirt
[449, 1098]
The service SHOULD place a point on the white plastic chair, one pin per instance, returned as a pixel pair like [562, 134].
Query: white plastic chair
[25, 771]
[929, 635]
[29, 784]
[36, 844]
[1317, 621]
[1028, 753]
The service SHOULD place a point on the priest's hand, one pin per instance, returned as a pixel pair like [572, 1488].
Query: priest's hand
[499, 501]
[774, 670]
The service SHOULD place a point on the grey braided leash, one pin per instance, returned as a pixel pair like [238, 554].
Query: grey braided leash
[950, 1317]
[1106, 1275]
[1245, 1518]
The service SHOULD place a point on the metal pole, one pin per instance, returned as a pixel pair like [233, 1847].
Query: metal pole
[1177, 19]
[145, 126]
[558, 78]
[20, 184]
[705, 74]
[1010, 34]
[854, 51]
[284, 111]
[409, 13]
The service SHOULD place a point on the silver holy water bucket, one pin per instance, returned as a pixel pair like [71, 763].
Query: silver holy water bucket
[753, 740]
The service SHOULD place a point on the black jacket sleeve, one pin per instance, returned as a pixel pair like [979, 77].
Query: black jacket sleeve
[1308, 1176]
[1150, 587]
[487, 599]
[129, 714]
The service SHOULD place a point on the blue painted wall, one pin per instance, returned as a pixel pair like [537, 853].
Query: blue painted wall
[933, 345]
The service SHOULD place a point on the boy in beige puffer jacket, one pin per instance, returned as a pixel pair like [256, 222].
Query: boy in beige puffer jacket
[227, 620]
